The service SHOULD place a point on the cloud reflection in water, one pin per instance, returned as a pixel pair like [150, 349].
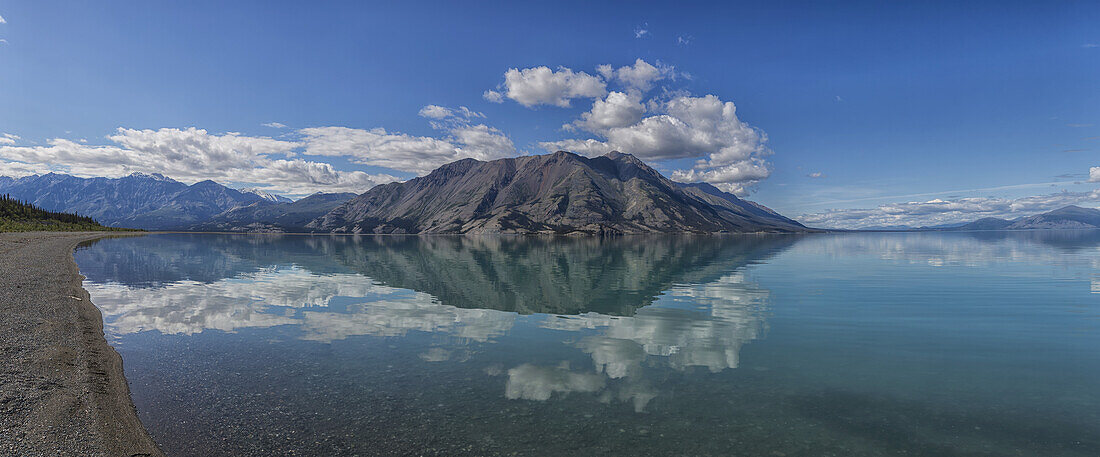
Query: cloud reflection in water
[697, 310]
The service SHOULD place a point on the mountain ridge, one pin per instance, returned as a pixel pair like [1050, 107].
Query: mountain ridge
[558, 193]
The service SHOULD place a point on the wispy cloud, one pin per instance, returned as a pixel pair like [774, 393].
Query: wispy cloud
[816, 174]
[439, 112]
[641, 30]
[684, 40]
[275, 125]
[2, 21]
[1090, 45]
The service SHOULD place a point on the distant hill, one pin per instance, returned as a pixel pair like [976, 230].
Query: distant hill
[985, 223]
[17, 216]
[268, 216]
[1069, 217]
[553, 193]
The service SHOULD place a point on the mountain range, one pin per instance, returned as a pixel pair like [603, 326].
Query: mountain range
[156, 202]
[1068, 217]
[270, 216]
[559, 193]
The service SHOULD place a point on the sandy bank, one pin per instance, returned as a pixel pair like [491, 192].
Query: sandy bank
[62, 390]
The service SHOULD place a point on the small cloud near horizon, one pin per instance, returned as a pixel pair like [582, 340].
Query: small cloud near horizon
[816, 174]
[275, 125]
[8, 138]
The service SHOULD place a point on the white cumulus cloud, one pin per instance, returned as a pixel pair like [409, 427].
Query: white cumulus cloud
[542, 86]
[730, 153]
[639, 76]
[1094, 174]
[618, 109]
[191, 155]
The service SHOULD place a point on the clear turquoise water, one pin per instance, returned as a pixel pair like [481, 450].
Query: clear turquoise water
[832, 344]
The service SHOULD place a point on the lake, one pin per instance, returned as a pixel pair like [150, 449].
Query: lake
[858, 344]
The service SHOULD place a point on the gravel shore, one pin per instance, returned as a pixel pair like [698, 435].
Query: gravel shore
[62, 389]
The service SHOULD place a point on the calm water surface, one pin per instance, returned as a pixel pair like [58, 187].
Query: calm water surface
[834, 344]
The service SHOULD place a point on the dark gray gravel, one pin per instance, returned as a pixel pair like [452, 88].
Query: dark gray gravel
[62, 390]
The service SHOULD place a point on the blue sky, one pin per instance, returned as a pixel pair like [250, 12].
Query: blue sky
[919, 113]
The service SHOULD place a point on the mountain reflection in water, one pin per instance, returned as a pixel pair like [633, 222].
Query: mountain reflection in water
[467, 288]
[859, 344]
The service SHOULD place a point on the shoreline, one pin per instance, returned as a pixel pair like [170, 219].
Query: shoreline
[62, 387]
